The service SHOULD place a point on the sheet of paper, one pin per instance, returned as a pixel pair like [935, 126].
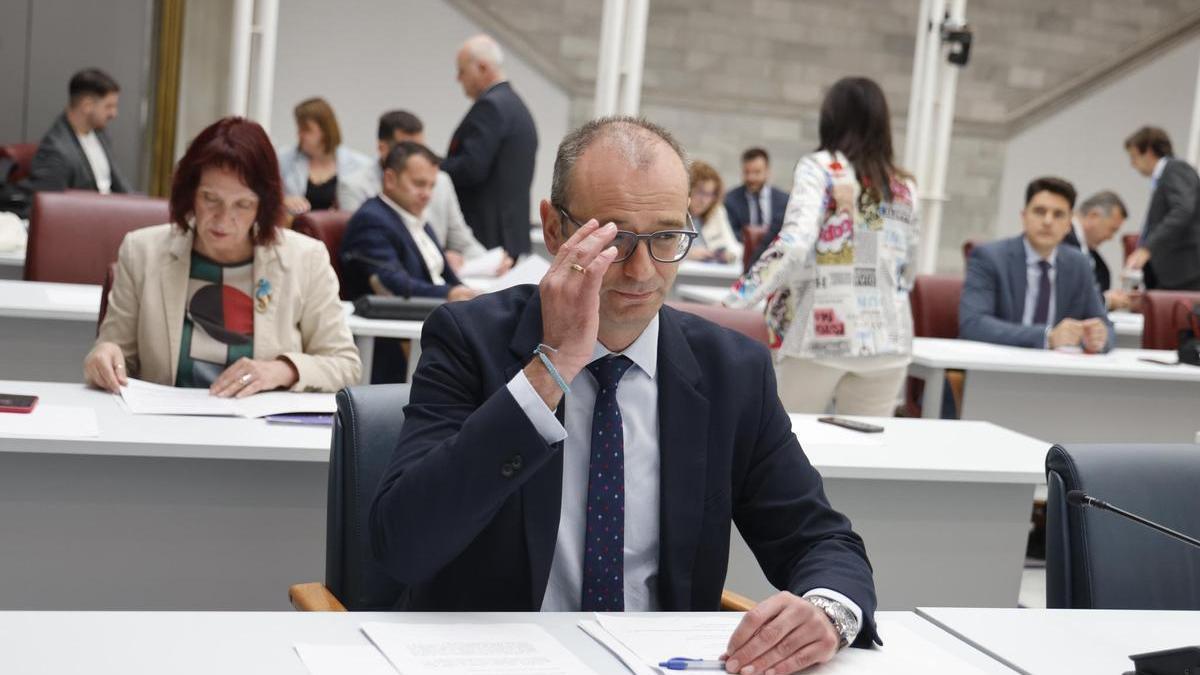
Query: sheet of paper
[528, 271]
[617, 648]
[466, 649]
[484, 265]
[812, 433]
[146, 398]
[342, 659]
[651, 640]
[46, 420]
[69, 296]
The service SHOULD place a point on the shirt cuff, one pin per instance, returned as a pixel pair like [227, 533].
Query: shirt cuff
[541, 417]
[1046, 337]
[832, 595]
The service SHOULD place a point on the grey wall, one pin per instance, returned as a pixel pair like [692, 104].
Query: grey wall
[48, 40]
[388, 54]
[1083, 141]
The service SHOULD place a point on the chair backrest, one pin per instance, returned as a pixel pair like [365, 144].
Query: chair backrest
[1163, 321]
[934, 300]
[110, 277]
[20, 156]
[752, 240]
[329, 227]
[748, 322]
[1129, 243]
[365, 433]
[74, 235]
[1098, 560]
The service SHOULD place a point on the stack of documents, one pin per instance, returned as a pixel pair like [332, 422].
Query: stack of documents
[530, 270]
[484, 265]
[145, 398]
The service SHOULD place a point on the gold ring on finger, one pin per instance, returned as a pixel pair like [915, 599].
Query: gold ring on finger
[579, 268]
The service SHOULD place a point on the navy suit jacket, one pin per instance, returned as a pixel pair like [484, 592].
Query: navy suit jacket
[739, 210]
[993, 297]
[490, 160]
[466, 515]
[375, 231]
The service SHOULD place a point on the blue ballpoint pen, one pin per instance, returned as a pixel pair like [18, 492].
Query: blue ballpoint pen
[682, 663]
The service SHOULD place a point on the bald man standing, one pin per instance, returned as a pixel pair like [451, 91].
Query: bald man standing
[492, 152]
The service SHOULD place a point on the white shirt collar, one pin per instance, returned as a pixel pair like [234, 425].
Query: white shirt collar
[1077, 227]
[1031, 256]
[1158, 169]
[410, 221]
[643, 352]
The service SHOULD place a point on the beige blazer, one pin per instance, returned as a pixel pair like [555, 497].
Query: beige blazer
[300, 318]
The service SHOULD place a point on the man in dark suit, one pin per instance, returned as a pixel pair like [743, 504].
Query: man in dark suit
[756, 201]
[492, 152]
[591, 475]
[75, 153]
[1028, 291]
[1097, 220]
[389, 249]
[1168, 251]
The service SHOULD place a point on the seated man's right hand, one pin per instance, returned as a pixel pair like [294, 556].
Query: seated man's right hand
[461, 293]
[1068, 333]
[104, 367]
[1117, 299]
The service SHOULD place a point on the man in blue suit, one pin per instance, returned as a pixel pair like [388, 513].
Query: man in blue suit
[756, 201]
[1028, 291]
[577, 446]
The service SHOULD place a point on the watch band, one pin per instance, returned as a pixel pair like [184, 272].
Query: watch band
[843, 620]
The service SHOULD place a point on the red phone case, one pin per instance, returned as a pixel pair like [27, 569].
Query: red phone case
[19, 409]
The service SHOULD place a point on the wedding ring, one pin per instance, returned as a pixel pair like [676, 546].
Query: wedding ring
[578, 268]
[245, 379]
[118, 365]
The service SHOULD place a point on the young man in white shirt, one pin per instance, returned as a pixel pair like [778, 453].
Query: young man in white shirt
[75, 153]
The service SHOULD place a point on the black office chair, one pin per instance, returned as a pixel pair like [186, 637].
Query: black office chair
[1098, 560]
[365, 433]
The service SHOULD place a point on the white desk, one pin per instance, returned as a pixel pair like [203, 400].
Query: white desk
[942, 505]
[366, 330]
[1128, 327]
[159, 512]
[1056, 641]
[46, 329]
[12, 264]
[186, 643]
[1065, 397]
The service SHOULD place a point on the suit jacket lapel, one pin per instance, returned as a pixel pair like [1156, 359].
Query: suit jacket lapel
[1017, 277]
[683, 457]
[80, 156]
[541, 496]
[270, 269]
[174, 284]
[411, 251]
[1061, 297]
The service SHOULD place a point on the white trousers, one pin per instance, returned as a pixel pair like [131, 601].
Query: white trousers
[867, 385]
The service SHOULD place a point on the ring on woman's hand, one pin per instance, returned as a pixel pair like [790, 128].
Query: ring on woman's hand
[118, 365]
[245, 379]
[578, 268]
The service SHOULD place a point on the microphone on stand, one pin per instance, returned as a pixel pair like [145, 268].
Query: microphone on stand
[1183, 660]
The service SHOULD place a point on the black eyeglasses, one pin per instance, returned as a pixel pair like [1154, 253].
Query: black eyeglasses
[668, 246]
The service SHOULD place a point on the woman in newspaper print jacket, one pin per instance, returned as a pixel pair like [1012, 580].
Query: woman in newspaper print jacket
[836, 279]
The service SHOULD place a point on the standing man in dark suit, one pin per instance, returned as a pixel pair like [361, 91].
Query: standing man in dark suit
[1028, 291]
[1096, 221]
[756, 201]
[1168, 251]
[558, 451]
[75, 153]
[492, 152]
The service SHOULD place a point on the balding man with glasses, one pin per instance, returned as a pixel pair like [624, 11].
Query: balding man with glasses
[577, 446]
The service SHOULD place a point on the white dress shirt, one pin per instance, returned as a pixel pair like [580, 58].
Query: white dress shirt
[637, 397]
[1033, 275]
[764, 205]
[1077, 227]
[426, 246]
[98, 160]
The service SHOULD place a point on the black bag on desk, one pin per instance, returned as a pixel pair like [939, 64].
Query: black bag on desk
[395, 308]
[1189, 338]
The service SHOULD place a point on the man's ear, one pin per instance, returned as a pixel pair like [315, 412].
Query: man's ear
[552, 231]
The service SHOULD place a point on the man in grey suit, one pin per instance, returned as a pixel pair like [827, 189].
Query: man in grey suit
[75, 153]
[1168, 251]
[1028, 291]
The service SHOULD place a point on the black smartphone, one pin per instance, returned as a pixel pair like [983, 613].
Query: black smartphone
[853, 425]
[17, 403]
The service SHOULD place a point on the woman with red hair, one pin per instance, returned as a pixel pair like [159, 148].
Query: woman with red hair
[222, 297]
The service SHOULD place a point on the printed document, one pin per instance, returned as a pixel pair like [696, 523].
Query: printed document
[146, 398]
[471, 649]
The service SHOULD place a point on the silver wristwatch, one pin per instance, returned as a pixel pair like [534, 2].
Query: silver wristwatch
[840, 616]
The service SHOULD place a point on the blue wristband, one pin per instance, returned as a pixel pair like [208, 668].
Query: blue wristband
[558, 379]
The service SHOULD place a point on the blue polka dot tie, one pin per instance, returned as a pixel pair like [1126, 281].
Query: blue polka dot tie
[604, 540]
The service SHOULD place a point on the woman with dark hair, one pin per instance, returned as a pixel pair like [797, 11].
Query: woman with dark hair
[311, 168]
[836, 279]
[223, 297]
[717, 241]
